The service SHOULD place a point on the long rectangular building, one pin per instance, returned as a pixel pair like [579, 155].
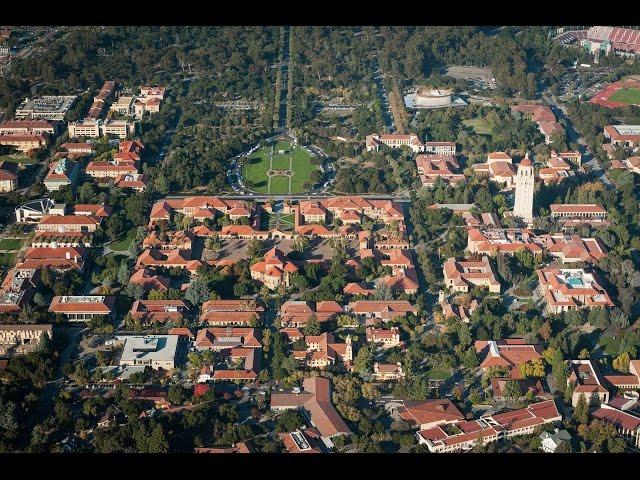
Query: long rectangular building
[465, 434]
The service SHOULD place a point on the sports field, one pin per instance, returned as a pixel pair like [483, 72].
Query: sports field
[630, 96]
[290, 170]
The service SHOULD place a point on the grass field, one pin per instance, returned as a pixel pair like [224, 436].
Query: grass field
[479, 125]
[17, 158]
[630, 96]
[609, 345]
[124, 243]
[441, 373]
[10, 244]
[257, 165]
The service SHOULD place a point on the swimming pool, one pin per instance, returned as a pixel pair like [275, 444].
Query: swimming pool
[574, 282]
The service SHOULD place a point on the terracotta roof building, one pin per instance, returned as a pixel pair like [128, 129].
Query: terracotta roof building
[384, 310]
[219, 339]
[374, 141]
[274, 270]
[430, 413]
[296, 313]
[316, 399]
[465, 434]
[235, 313]
[586, 380]
[83, 308]
[579, 214]
[462, 276]
[571, 289]
[323, 350]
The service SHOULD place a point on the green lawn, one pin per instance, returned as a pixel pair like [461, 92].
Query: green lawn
[479, 125]
[279, 185]
[256, 166]
[287, 222]
[10, 244]
[124, 243]
[7, 259]
[17, 158]
[440, 373]
[609, 345]
[630, 96]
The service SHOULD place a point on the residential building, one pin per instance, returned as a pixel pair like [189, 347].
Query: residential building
[154, 351]
[316, 399]
[463, 276]
[571, 289]
[465, 434]
[508, 355]
[18, 339]
[374, 141]
[83, 308]
[586, 380]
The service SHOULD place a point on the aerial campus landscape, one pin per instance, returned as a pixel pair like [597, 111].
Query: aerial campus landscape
[313, 239]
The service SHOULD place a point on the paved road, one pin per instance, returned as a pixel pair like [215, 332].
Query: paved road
[384, 96]
[400, 198]
[52, 387]
[590, 160]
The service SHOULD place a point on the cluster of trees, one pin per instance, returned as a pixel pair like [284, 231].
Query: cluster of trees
[520, 63]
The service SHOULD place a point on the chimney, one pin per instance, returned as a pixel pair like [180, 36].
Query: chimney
[67, 255]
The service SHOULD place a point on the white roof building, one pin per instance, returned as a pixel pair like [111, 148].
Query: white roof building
[155, 351]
